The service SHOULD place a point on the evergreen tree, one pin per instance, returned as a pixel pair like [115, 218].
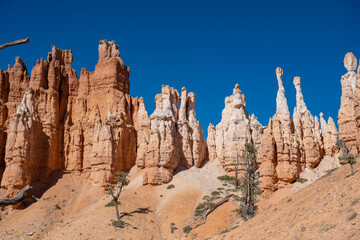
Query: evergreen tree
[249, 185]
[121, 181]
[347, 157]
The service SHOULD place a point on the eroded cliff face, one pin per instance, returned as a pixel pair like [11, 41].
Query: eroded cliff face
[81, 125]
[13, 84]
[290, 145]
[236, 128]
[174, 137]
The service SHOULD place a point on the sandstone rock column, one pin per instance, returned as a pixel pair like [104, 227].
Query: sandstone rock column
[330, 135]
[163, 155]
[176, 137]
[235, 129]
[346, 121]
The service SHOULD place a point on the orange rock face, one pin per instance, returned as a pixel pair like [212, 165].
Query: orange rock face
[290, 145]
[174, 137]
[64, 123]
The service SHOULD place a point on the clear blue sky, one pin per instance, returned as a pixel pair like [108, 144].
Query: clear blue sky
[206, 46]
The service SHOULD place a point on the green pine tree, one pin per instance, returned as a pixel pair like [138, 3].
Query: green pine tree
[347, 157]
[249, 185]
[121, 181]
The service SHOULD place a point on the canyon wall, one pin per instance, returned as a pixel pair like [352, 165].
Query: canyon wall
[55, 121]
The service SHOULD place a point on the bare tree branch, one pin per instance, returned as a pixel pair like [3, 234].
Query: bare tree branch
[18, 198]
[21, 41]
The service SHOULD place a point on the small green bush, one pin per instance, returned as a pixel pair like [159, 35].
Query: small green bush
[289, 200]
[226, 178]
[215, 193]
[170, 186]
[57, 206]
[301, 180]
[187, 229]
[118, 223]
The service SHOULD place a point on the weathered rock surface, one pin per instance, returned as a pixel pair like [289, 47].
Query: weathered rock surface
[13, 83]
[346, 117]
[290, 145]
[329, 134]
[235, 129]
[175, 138]
[84, 125]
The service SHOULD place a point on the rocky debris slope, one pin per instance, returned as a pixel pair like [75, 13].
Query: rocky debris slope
[236, 128]
[64, 123]
[290, 145]
[174, 137]
[346, 118]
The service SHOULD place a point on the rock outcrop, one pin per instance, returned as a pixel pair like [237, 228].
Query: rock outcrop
[290, 145]
[13, 84]
[236, 128]
[329, 134]
[175, 137]
[81, 125]
[346, 118]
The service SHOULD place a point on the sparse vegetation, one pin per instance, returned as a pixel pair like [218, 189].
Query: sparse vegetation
[301, 180]
[289, 200]
[215, 193]
[172, 227]
[118, 223]
[347, 157]
[170, 186]
[226, 178]
[57, 206]
[228, 230]
[202, 207]
[329, 172]
[187, 229]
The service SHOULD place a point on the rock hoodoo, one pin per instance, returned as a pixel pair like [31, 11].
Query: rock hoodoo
[346, 117]
[175, 138]
[64, 123]
[236, 128]
[290, 145]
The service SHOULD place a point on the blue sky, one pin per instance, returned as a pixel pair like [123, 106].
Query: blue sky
[206, 46]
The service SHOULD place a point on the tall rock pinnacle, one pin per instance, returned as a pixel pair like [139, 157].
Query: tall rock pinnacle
[346, 117]
[236, 128]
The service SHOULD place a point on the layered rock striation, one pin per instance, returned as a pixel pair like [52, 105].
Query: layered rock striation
[237, 127]
[290, 145]
[174, 137]
[81, 125]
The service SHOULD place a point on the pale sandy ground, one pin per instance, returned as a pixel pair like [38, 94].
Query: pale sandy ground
[319, 211]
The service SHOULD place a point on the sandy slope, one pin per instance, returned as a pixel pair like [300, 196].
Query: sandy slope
[319, 211]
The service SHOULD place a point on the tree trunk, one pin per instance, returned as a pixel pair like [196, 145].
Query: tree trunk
[17, 42]
[18, 198]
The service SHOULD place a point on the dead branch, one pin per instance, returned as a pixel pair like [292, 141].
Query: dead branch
[21, 41]
[18, 198]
